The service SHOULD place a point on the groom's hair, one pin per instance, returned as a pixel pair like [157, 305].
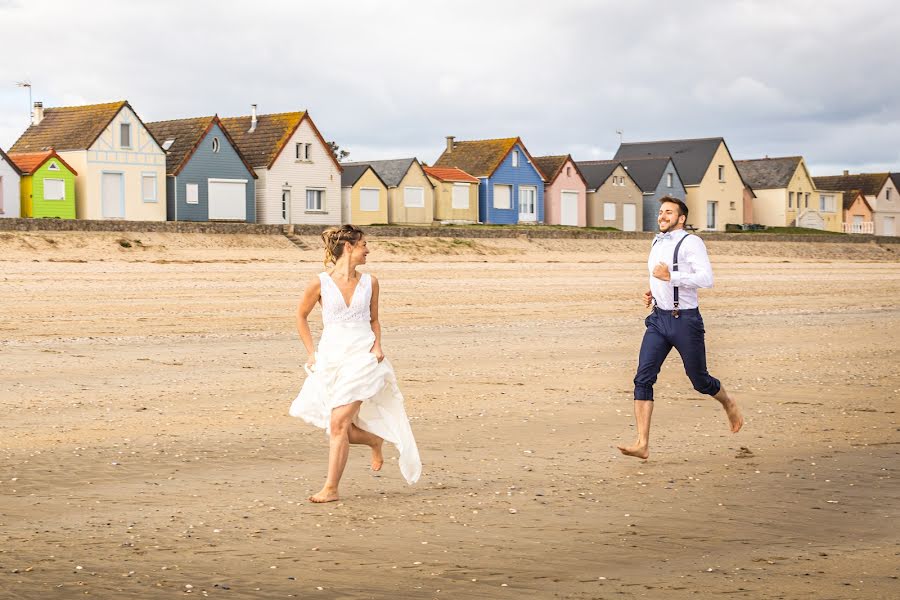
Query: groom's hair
[682, 207]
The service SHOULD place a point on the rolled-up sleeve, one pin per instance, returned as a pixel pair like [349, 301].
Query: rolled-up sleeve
[701, 275]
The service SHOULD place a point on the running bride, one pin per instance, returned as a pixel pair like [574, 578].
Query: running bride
[350, 390]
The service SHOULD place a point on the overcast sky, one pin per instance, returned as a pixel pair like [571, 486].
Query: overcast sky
[390, 79]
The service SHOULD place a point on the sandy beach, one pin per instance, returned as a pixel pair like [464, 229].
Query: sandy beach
[146, 448]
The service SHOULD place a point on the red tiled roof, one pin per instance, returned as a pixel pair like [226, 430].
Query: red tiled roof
[482, 157]
[450, 174]
[29, 162]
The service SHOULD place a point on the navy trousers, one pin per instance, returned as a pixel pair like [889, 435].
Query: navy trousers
[685, 334]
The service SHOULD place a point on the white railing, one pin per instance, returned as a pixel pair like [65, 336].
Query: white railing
[865, 227]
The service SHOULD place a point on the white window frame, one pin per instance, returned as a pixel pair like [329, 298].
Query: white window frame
[122, 128]
[318, 193]
[362, 206]
[53, 166]
[144, 178]
[515, 158]
[298, 153]
[62, 184]
[609, 211]
[307, 151]
[530, 207]
[285, 204]
[408, 203]
[192, 193]
[826, 202]
[714, 204]
[508, 198]
[215, 145]
[460, 201]
[721, 173]
[669, 179]
[168, 144]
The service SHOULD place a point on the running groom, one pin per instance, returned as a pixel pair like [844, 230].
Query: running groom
[678, 266]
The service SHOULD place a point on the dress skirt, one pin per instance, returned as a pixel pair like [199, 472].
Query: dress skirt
[346, 371]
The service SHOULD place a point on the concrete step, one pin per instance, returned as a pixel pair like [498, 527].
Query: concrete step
[295, 239]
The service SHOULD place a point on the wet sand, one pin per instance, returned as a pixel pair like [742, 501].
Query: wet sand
[146, 445]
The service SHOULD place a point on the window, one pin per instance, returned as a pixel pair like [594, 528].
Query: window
[148, 187]
[790, 199]
[54, 189]
[215, 144]
[192, 193]
[307, 151]
[285, 204]
[887, 194]
[515, 158]
[315, 200]
[569, 172]
[303, 151]
[168, 143]
[826, 203]
[712, 209]
[732, 205]
[414, 197]
[368, 199]
[298, 151]
[527, 202]
[806, 199]
[460, 196]
[125, 135]
[502, 196]
[53, 166]
[609, 211]
[721, 172]
[668, 180]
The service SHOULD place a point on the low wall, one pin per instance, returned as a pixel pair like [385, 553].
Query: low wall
[471, 231]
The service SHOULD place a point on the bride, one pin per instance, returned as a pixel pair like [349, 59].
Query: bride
[351, 390]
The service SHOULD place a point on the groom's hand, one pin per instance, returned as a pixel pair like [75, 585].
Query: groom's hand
[661, 271]
[648, 298]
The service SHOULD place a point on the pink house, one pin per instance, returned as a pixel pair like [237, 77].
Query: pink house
[564, 191]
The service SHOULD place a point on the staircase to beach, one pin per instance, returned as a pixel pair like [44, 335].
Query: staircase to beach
[295, 239]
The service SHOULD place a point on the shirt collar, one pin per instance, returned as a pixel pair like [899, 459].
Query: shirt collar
[672, 235]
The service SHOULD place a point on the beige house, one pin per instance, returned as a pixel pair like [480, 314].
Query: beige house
[874, 187]
[410, 192]
[713, 185]
[887, 207]
[455, 195]
[613, 197]
[786, 195]
[364, 196]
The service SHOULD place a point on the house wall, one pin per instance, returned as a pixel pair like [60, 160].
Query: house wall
[319, 172]
[443, 202]
[525, 174]
[887, 205]
[569, 181]
[398, 212]
[770, 207]
[10, 184]
[808, 199]
[38, 206]
[620, 195]
[203, 166]
[107, 154]
[650, 202]
[361, 217]
[858, 208]
[747, 200]
[728, 194]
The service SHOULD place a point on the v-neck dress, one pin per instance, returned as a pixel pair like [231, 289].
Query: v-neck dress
[346, 371]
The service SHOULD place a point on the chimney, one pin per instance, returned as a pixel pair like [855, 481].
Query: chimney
[38, 115]
[450, 139]
[252, 118]
[846, 173]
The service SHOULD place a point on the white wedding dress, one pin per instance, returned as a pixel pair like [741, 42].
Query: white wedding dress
[346, 371]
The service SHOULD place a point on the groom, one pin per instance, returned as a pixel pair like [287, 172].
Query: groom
[678, 266]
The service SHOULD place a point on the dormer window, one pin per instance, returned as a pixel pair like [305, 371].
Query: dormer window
[125, 135]
[515, 158]
[215, 144]
[168, 144]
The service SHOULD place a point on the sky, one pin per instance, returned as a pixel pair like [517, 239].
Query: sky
[392, 79]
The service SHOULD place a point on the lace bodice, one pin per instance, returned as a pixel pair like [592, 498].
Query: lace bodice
[335, 310]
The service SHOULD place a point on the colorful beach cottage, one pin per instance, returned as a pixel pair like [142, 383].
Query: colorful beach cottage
[410, 192]
[364, 196]
[10, 179]
[455, 195]
[299, 179]
[511, 188]
[565, 191]
[657, 177]
[48, 185]
[207, 177]
[120, 165]
[613, 197]
[872, 186]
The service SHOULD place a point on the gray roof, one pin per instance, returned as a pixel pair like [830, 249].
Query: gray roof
[352, 173]
[691, 157]
[647, 172]
[768, 173]
[390, 171]
[895, 177]
[596, 172]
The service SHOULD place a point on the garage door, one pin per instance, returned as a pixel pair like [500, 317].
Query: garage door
[629, 217]
[228, 199]
[569, 208]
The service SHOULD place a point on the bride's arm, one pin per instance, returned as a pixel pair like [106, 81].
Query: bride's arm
[307, 303]
[376, 325]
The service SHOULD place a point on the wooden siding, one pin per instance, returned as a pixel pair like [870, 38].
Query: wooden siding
[570, 182]
[523, 175]
[885, 207]
[10, 184]
[398, 212]
[36, 205]
[443, 202]
[360, 217]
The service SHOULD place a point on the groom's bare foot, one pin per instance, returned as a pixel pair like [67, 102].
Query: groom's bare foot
[735, 418]
[326, 495]
[377, 457]
[638, 450]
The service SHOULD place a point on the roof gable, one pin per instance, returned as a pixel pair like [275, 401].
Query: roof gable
[869, 183]
[391, 172]
[262, 146]
[768, 173]
[596, 172]
[30, 162]
[482, 158]
[647, 172]
[186, 136]
[10, 162]
[353, 173]
[691, 157]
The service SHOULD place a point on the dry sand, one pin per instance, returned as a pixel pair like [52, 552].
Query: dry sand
[146, 449]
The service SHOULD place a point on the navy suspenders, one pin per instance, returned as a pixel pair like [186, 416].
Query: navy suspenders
[674, 270]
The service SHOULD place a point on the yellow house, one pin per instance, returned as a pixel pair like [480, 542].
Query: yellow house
[786, 195]
[713, 186]
[364, 196]
[410, 192]
[455, 195]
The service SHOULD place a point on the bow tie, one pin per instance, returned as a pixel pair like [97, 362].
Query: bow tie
[663, 236]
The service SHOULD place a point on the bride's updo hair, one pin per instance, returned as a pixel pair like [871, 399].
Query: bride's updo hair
[334, 238]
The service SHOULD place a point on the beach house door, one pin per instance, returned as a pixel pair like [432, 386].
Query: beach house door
[112, 196]
[629, 217]
[527, 204]
[888, 226]
[568, 208]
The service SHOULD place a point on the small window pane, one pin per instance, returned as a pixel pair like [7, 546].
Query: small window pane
[460, 196]
[368, 199]
[125, 135]
[148, 188]
[502, 196]
[192, 193]
[215, 144]
[414, 197]
[515, 158]
[315, 199]
[54, 189]
[609, 211]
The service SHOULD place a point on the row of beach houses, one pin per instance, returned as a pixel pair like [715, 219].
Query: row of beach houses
[103, 162]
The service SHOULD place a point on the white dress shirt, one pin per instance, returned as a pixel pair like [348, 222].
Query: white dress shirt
[694, 270]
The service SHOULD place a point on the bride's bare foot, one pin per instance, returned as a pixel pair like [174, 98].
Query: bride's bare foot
[326, 495]
[638, 450]
[377, 457]
[735, 418]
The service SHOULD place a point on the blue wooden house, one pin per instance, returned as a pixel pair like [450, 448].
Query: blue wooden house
[657, 176]
[511, 188]
[207, 177]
